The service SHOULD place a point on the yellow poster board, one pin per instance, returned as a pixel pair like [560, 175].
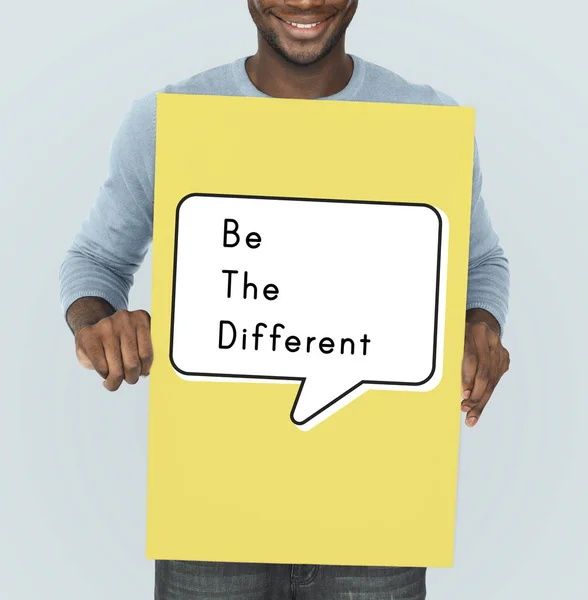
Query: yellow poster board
[309, 285]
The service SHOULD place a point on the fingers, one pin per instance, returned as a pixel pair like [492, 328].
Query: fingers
[136, 346]
[478, 404]
[144, 345]
[91, 355]
[484, 367]
[130, 354]
[469, 365]
[118, 348]
[116, 372]
[485, 361]
[505, 362]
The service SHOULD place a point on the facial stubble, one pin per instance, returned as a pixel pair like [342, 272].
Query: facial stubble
[302, 59]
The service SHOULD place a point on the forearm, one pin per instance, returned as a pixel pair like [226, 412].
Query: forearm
[98, 269]
[489, 288]
[489, 270]
[85, 273]
[87, 311]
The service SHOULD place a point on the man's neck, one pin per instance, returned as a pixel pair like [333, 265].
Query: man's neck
[273, 75]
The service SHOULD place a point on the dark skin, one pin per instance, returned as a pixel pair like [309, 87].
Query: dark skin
[293, 60]
[301, 63]
[484, 363]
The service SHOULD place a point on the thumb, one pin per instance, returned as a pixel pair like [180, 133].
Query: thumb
[83, 358]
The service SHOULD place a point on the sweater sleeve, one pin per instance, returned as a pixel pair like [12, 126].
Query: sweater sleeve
[114, 238]
[488, 272]
[488, 268]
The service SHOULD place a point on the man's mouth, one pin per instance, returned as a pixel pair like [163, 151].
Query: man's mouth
[304, 28]
[303, 25]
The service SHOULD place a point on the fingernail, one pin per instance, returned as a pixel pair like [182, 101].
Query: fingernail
[465, 408]
[466, 394]
[471, 421]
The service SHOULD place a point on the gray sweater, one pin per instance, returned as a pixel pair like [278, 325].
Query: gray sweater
[113, 240]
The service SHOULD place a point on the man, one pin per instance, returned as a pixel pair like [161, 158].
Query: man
[301, 54]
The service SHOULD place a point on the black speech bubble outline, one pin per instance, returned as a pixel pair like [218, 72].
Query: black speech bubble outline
[303, 379]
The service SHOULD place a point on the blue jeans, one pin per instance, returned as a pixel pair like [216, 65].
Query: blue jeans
[183, 580]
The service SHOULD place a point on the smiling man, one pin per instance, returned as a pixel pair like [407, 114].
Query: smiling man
[301, 54]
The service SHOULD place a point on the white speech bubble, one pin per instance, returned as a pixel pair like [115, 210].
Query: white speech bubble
[350, 296]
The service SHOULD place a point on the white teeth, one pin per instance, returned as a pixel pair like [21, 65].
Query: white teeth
[303, 26]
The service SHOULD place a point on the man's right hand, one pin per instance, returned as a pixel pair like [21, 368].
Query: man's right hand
[118, 347]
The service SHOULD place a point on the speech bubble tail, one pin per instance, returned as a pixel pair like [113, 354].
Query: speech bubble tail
[318, 399]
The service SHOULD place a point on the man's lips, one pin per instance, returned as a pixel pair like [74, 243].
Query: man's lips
[304, 28]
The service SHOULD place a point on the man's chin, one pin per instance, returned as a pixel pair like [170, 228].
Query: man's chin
[302, 59]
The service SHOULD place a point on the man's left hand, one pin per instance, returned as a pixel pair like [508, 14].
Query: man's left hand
[485, 361]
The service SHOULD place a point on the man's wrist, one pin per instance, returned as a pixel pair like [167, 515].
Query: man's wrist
[479, 315]
[87, 311]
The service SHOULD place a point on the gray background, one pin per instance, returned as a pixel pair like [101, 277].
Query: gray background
[73, 456]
